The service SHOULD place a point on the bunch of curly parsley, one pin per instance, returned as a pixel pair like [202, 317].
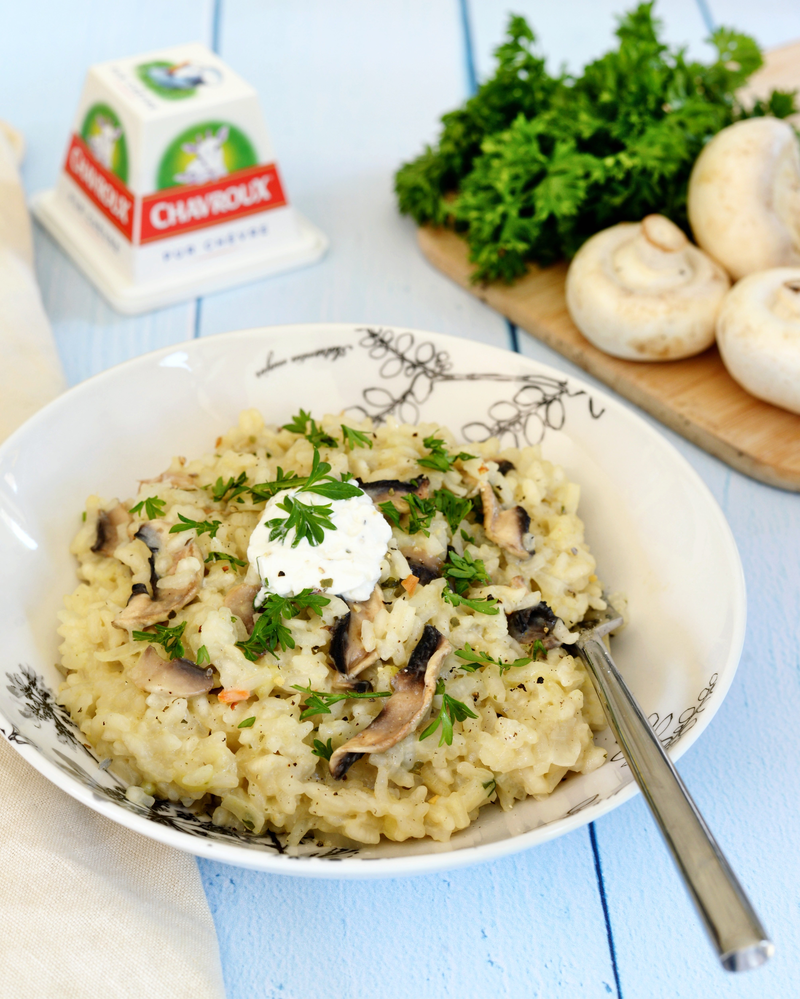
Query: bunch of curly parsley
[533, 165]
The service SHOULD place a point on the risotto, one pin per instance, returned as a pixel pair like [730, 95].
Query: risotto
[235, 646]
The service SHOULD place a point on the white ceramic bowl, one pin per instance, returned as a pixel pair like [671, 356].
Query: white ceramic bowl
[656, 532]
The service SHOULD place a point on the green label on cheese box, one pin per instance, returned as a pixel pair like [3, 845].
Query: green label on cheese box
[176, 80]
[103, 133]
[205, 152]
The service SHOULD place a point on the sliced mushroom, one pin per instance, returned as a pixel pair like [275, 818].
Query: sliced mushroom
[413, 689]
[507, 528]
[534, 624]
[392, 490]
[758, 332]
[347, 649]
[642, 292]
[108, 522]
[424, 566]
[176, 677]
[504, 466]
[239, 600]
[144, 609]
[744, 197]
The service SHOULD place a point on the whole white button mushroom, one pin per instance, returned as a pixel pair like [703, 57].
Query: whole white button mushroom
[744, 197]
[758, 332]
[642, 291]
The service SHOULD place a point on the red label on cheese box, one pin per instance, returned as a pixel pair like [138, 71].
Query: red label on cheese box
[103, 188]
[174, 211]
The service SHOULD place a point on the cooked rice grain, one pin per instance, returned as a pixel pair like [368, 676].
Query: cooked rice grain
[534, 722]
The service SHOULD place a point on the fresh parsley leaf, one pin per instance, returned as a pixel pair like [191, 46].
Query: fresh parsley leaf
[298, 423]
[488, 606]
[324, 750]
[153, 507]
[451, 711]
[534, 164]
[420, 514]
[467, 537]
[320, 482]
[308, 428]
[269, 631]
[209, 527]
[263, 491]
[202, 655]
[216, 556]
[490, 786]
[439, 458]
[538, 649]
[235, 487]
[168, 638]
[474, 660]
[308, 520]
[455, 508]
[319, 701]
[355, 438]
[463, 571]
[248, 722]
[390, 512]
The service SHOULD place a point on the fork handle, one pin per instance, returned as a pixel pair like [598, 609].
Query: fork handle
[733, 926]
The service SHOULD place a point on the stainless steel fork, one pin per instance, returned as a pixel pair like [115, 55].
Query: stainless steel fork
[732, 924]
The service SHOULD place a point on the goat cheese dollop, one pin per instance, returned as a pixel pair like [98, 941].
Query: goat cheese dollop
[347, 562]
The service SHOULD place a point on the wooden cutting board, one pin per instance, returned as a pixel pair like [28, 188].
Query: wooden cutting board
[696, 397]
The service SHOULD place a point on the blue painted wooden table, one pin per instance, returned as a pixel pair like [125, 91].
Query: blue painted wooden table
[350, 90]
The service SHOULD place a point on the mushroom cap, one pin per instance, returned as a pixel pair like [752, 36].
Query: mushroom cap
[643, 292]
[758, 331]
[744, 197]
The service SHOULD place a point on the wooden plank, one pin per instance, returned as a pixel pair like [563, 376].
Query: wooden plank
[696, 396]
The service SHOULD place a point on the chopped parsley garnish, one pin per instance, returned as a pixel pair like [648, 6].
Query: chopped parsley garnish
[308, 520]
[533, 164]
[473, 660]
[201, 526]
[355, 438]
[461, 572]
[313, 433]
[269, 631]
[439, 459]
[455, 508]
[319, 701]
[248, 722]
[390, 512]
[487, 606]
[153, 507]
[324, 750]
[263, 491]
[450, 711]
[225, 557]
[202, 655]
[538, 649]
[490, 786]
[237, 486]
[420, 514]
[168, 638]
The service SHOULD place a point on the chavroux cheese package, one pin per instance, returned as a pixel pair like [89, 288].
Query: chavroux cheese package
[170, 186]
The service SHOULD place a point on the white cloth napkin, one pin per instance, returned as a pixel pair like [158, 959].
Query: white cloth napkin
[87, 906]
